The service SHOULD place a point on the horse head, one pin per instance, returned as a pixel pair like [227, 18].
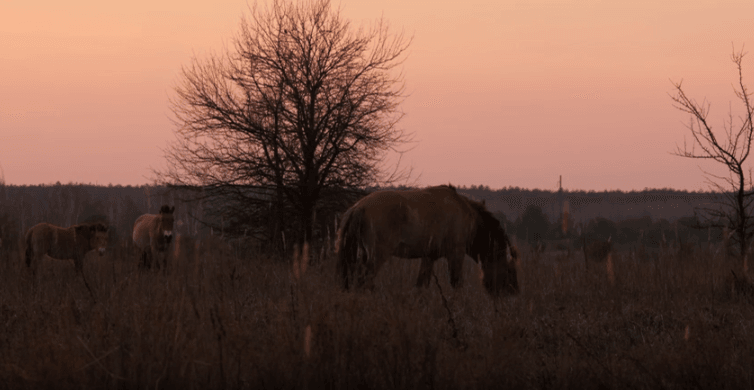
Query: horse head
[165, 223]
[96, 236]
[498, 258]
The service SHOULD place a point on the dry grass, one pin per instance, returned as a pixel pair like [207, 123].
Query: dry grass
[230, 322]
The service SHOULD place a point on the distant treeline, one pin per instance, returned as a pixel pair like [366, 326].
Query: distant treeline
[535, 228]
[587, 205]
[648, 215]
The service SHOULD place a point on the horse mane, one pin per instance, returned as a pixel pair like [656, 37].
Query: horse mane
[448, 186]
[98, 226]
[481, 209]
[165, 209]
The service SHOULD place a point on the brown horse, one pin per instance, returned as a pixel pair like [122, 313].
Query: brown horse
[428, 224]
[152, 235]
[64, 243]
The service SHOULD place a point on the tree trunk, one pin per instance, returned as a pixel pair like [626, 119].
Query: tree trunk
[741, 218]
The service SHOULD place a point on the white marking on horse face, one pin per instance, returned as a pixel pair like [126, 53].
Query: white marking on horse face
[168, 233]
[101, 251]
[508, 255]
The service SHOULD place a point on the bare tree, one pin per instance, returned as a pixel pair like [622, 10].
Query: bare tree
[730, 149]
[300, 108]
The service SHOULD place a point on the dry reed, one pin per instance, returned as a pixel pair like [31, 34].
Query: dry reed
[222, 321]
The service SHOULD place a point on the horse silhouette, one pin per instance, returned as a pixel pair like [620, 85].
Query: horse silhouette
[152, 234]
[429, 224]
[72, 243]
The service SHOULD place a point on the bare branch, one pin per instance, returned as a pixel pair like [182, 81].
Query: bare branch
[731, 151]
[301, 106]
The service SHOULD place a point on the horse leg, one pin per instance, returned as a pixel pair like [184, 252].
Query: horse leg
[370, 267]
[425, 272]
[156, 255]
[352, 256]
[359, 267]
[343, 270]
[78, 262]
[34, 264]
[368, 272]
[162, 262]
[146, 259]
[455, 266]
[29, 256]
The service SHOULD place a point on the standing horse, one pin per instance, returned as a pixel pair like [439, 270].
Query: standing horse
[64, 243]
[152, 234]
[430, 223]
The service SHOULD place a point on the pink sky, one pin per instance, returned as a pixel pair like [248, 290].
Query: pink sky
[509, 93]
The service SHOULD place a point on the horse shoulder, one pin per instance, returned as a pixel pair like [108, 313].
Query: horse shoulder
[36, 237]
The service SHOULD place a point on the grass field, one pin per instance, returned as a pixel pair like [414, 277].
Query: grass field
[221, 319]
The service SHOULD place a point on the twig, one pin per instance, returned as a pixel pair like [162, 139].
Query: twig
[607, 369]
[646, 371]
[97, 359]
[450, 314]
[86, 283]
[590, 354]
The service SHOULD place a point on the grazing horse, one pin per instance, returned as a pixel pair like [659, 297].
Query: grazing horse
[64, 243]
[430, 223]
[152, 234]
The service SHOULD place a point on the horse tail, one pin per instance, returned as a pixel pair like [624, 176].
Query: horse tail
[349, 241]
[29, 247]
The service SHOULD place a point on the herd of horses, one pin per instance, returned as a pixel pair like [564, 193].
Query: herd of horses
[152, 234]
[428, 223]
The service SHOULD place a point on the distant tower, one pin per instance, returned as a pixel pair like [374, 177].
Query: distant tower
[564, 209]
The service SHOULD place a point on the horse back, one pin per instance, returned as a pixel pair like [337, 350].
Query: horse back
[417, 223]
[54, 241]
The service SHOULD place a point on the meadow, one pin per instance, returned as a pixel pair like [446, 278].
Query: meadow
[226, 318]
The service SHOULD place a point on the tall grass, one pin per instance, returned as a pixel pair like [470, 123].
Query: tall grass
[218, 319]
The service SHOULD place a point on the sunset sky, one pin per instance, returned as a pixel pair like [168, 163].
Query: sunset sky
[501, 93]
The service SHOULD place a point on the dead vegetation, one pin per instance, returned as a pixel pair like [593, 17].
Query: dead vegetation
[221, 319]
